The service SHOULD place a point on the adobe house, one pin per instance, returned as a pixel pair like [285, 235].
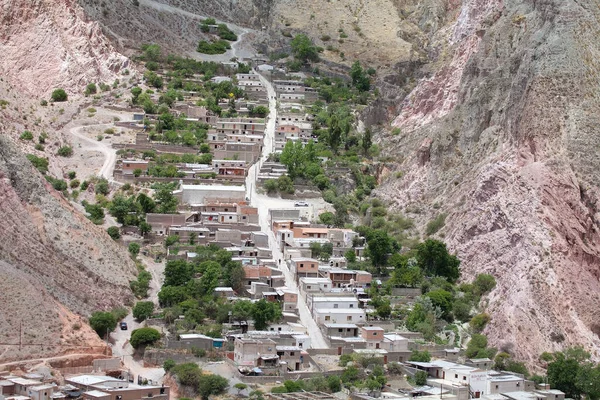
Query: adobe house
[373, 335]
[128, 166]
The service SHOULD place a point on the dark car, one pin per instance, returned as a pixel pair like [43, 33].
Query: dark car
[123, 326]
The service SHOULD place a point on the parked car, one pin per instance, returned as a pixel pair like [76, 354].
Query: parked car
[123, 326]
[300, 204]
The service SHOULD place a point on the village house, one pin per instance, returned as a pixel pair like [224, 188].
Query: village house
[248, 152]
[373, 335]
[336, 309]
[194, 340]
[341, 330]
[394, 342]
[292, 356]
[304, 267]
[129, 166]
[108, 388]
[198, 194]
[255, 352]
[349, 278]
[161, 223]
[315, 285]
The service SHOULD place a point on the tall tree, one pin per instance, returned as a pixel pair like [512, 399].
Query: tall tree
[265, 312]
[367, 141]
[434, 259]
[304, 49]
[379, 245]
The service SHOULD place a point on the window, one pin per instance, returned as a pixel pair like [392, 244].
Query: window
[351, 305]
[327, 318]
[340, 330]
[292, 353]
[335, 306]
[464, 378]
[374, 333]
[308, 287]
[349, 318]
[301, 265]
[456, 376]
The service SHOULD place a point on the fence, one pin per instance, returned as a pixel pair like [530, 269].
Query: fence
[221, 179]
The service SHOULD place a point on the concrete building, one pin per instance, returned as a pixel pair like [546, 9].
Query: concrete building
[255, 352]
[304, 267]
[291, 355]
[337, 315]
[128, 166]
[341, 330]
[373, 335]
[108, 388]
[199, 194]
[315, 285]
[161, 223]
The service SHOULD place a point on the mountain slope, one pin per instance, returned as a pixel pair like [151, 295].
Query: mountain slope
[47, 44]
[54, 262]
[504, 137]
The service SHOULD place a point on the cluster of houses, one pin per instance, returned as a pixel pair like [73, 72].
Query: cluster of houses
[35, 386]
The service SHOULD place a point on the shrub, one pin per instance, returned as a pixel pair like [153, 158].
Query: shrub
[420, 378]
[113, 232]
[143, 310]
[71, 174]
[271, 186]
[143, 337]
[59, 184]
[59, 95]
[43, 103]
[137, 172]
[325, 38]
[134, 249]
[483, 284]
[225, 33]
[171, 240]
[84, 185]
[91, 89]
[74, 183]
[26, 135]
[479, 322]
[65, 151]
[436, 224]
[102, 187]
[422, 356]
[168, 365]
[103, 322]
[217, 47]
[39, 147]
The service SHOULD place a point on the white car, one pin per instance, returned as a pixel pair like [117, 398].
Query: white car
[300, 204]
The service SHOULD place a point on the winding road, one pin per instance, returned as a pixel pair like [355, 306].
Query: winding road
[110, 154]
[264, 203]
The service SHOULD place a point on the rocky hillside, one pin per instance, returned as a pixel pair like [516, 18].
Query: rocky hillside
[47, 44]
[54, 263]
[502, 136]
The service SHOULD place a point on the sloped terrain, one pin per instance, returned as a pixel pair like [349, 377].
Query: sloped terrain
[47, 44]
[504, 137]
[54, 261]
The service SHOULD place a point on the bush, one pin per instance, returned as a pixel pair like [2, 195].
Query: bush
[271, 186]
[59, 184]
[143, 337]
[422, 356]
[483, 284]
[71, 174]
[26, 135]
[225, 33]
[91, 89]
[420, 378]
[217, 47]
[59, 95]
[143, 310]
[113, 232]
[168, 365]
[171, 240]
[436, 224]
[134, 249]
[479, 322]
[102, 187]
[103, 322]
[44, 103]
[65, 151]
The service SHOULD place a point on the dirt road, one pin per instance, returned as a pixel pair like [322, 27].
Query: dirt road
[265, 203]
[109, 153]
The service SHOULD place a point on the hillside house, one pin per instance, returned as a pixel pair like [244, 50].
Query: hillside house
[255, 352]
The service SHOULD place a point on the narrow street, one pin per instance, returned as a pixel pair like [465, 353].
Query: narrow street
[265, 203]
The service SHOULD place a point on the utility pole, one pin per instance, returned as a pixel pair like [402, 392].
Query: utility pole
[20, 335]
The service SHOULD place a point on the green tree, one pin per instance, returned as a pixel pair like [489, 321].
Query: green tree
[420, 378]
[145, 228]
[212, 385]
[293, 158]
[168, 365]
[367, 141]
[271, 186]
[379, 245]
[151, 52]
[434, 259]
[120, 207]
[136, 91]
[165, 200]
[143, 337]
[442, 299]
[172, 295]
[178, 273]
[334, 384]
[350, 256]
[210, 277]
[113, 232]
[265, 312]
[566, 372]
[143, 310]
[359, 78]
[59, 95]
[103, 323]
[134, 249]
[421, 356]
[96, 212]
[102, 187]
[240, 387]
[326, 218]
[477, 346]
[304, 49]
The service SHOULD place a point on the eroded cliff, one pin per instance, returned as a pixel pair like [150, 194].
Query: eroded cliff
[503, 136]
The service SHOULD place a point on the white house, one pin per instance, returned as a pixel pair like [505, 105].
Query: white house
[198, 194]
[339, 315]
